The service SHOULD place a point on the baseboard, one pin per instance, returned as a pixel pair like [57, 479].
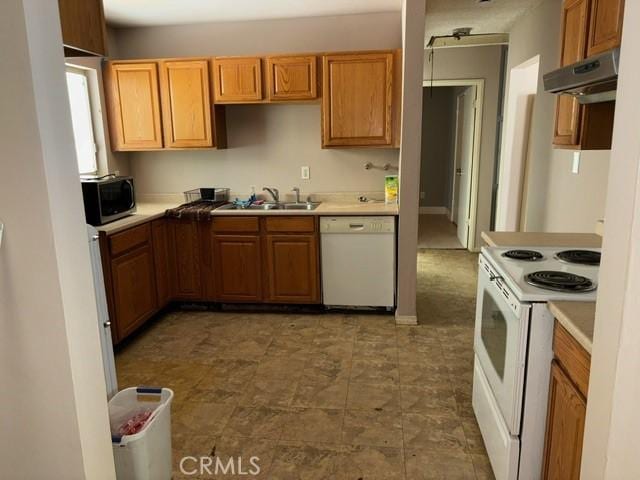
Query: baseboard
[433, 211]
[406, 319]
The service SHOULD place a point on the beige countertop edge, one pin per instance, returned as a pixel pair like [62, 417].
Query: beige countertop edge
[150, 211]
[577, 318]
[542, 239]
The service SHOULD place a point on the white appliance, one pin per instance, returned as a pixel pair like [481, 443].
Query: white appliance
[104, 324]
[358, 261]
[513, 350]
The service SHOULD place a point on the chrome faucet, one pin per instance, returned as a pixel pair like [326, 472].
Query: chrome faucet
[274, 192]
[297, 190]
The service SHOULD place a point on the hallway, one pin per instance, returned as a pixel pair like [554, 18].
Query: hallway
[438, 232]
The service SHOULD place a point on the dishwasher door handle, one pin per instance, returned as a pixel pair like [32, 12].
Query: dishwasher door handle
[356, 226]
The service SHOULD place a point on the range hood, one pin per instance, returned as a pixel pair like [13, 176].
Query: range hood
[593, 80]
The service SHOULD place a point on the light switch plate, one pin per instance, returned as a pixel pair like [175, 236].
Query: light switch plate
[575, 168]
[304, 173]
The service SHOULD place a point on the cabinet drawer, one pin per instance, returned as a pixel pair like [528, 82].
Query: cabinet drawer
[575, 360]
[305, 224]
[123, 241]
[236, 224]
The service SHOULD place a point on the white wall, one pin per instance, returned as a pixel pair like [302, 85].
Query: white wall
[267, 143]
[413, 12]
[613, 420]
[475, 63]
[558, 200]
[53, 410]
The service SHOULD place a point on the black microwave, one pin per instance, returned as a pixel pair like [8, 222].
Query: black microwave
[108, 198]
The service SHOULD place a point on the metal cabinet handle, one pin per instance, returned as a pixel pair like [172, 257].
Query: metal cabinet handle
[107, 324]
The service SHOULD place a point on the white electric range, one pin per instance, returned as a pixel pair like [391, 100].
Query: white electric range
[513, 346]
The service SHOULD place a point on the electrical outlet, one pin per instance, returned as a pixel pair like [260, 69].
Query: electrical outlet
[575, 167]
[422, 195]
[304, 173]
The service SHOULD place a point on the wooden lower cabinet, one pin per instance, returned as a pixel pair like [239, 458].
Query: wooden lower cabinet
[161, 260]
[231, 259]
[292, 272]
[134, 290]
[184, 245]
[565, 428]
[567, 407]
[238, 266]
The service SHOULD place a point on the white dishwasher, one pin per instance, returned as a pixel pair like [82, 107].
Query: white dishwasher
[358, 261]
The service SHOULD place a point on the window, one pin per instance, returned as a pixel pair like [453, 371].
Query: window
[78, 86]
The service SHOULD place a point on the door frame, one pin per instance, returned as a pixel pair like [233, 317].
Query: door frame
[475, 158]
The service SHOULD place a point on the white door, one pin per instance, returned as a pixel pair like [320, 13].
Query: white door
[465, 131]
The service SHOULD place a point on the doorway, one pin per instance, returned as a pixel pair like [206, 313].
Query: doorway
[451, 122]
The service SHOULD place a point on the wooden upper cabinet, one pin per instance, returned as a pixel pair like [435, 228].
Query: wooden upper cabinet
[357, 99]
[237, 79]
[134, 106]
[605, 30]
[186, 105]
[588, 27]
[84, 29]
[575, 21]
[292, 77]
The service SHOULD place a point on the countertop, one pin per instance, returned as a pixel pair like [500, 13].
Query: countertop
[577, 318]
[541, 239]
[150, 211]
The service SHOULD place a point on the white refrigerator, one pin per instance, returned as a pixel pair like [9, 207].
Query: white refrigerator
[104, 324]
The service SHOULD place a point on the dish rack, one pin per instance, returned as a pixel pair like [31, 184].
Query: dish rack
[208, 194]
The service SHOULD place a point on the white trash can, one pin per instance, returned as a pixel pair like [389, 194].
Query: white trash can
[145, 455]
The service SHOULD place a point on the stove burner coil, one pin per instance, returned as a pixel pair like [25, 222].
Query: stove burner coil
[560, 281]
[580, 257]
[525, 255]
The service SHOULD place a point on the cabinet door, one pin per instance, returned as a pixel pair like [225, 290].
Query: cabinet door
[575, 16]
[292, 78]
[605, 30]
[237, 263]
[134, 106]
[134, 289]
[357, 99]
[185, 259]
[237, 79]
[83, 26]
[186, 106]
[292, 269]
[160, 240]
[565, 428]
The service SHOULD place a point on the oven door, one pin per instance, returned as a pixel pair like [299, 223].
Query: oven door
[500, 343]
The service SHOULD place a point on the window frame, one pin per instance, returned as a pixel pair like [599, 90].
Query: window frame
[92, 114]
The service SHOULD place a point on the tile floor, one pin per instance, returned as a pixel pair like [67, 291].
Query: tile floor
[326, 396]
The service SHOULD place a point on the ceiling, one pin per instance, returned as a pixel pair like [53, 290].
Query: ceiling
[495, 16]
[172, 12]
